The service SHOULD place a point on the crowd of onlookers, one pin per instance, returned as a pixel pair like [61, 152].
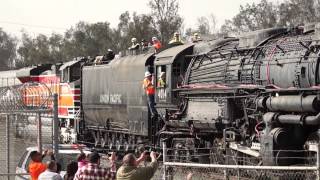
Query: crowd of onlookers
[88, 167]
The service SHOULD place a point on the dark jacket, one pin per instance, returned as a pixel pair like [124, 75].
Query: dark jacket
[137, 173]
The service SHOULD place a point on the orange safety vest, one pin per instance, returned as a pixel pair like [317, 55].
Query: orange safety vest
[148, 86]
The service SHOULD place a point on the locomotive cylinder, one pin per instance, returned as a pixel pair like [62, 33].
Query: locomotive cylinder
[291, 103]
[299, 119]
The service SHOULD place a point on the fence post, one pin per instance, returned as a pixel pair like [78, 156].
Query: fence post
[8, 143]
[164, 152]
[39, 128]
[55, 126]
[318, 161]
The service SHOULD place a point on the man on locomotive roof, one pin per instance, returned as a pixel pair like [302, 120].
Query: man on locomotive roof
[176, 40]
[150, 91]
[135, 45]
[130, 170]
[156, 44]
[196, 38]
[144, 45]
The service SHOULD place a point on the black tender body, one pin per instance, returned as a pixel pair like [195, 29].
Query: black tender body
[112, 94]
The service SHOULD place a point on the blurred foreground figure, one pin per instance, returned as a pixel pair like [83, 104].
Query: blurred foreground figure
[130, 170]
[51, 172]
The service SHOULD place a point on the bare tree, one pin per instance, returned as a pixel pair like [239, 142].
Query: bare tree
[213, 23]
[166, 17]
[203, 26]
[7, 50]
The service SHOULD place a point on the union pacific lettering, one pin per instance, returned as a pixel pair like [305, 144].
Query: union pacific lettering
[110, 98]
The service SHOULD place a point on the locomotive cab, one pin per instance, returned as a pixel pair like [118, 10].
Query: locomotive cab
[171, 64]
[70, 71]
[69, 99]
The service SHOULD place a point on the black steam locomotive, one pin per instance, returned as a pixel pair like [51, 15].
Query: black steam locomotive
[256, 95]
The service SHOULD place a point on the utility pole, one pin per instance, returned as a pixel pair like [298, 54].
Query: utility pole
[55, 126]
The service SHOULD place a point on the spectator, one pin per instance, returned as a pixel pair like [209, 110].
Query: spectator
[144, 45]
[59, 168]
[135, 45]
[50, 173]
[156, 44]
[196, 38]
[176, 40]
[36, 167]
[109, 56]
[81, 159]
[93, 171]
[72, 168]
[189, 176]
[130, 170]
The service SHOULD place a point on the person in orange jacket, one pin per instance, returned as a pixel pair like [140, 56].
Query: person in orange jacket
[150, 91]
[156, 44]
[36, 167]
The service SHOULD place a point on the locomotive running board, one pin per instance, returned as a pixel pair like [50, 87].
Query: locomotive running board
[244, 150]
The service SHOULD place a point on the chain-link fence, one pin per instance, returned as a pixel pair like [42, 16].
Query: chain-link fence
[184, 163]
[26, 119]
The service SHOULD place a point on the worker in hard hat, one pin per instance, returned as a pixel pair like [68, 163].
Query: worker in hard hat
[161, 86]
[135, 45]
[176, 40]
[196, 38]
[162, 80]
[150, 91]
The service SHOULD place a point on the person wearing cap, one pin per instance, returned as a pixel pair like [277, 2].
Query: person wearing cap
[156, 44]
[135, 45]
[93, 170]
[196, 38]
[144, 45]
[109, 55]
[161, 84]
[162, 80]
[150, 91]
[176, 40]
[130, 169]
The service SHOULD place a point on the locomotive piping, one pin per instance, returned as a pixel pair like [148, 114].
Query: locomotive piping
[299, 119]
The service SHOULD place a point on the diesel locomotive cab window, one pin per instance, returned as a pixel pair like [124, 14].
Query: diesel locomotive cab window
[65, 75]
[75, 73]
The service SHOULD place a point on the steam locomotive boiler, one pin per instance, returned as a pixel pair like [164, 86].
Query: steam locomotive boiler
[256, 95]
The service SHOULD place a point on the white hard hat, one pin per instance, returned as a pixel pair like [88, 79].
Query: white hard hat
[134, 40]
[154, 38]
[162, 73]
[147, 73]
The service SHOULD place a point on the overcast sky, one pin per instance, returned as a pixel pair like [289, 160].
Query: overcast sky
[47, 16]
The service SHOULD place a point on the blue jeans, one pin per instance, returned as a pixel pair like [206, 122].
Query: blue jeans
[151, 105]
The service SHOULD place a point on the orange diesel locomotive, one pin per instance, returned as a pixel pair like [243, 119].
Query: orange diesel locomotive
[63, 79]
